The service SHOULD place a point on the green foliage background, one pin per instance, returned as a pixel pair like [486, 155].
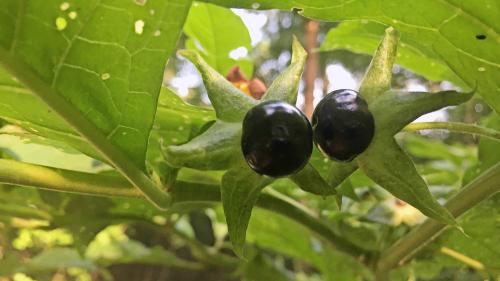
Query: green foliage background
[99, 77]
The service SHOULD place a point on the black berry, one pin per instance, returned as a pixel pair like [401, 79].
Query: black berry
[343, 126]
[277, 139]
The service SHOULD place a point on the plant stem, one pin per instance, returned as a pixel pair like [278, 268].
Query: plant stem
[86, 128]
[30, 175]
[23, 212]
[454, 127]
[474, 193]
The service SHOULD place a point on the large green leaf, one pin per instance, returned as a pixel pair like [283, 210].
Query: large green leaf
[216, 31]
[364, 36]
[449, 29]
[100, 67]
[174, 122]
[35, 116]
[107, 63]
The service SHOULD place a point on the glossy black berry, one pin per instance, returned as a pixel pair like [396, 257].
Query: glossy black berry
[277, 139]
[343, 126]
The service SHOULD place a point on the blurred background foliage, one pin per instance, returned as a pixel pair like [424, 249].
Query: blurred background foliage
[57, 236]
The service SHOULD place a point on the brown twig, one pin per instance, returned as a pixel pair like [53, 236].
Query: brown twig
[311, 68]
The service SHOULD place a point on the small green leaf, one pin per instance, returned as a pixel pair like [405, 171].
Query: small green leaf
[377, 79]
[389, 166]
[216, 149]
[285, 87]
[215, 31]
[240, 189]
[309, 180]
[229, 102]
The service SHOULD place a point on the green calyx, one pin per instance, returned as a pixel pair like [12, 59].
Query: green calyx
[384, 161]
[218, 148]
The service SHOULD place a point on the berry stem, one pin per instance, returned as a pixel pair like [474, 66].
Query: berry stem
[454, 127]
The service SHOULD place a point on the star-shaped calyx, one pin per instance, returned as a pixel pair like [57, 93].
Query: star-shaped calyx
[218, 148]
[384, 161]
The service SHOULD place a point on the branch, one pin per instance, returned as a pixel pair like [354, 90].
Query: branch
[311, 68]
[454, 127]
[474, 193]
[30, 175]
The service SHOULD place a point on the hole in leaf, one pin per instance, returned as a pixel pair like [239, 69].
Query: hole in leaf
[480, 37]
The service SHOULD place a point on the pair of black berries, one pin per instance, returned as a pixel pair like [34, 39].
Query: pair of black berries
[277, 138]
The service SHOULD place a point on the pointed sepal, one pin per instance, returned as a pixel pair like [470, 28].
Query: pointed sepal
[240, 189]
[309, 180]
[390, 167]
[286, 86]
[339, 171]
[217, 148]
[229, 102]
[396, 109]
[377, 79]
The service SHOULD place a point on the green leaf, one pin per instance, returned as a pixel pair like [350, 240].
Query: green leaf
[262, 268]
[286, 86]
[389, 166]
[215, 31]
[240, 189]
[174, 121]
[36, 117]
[112, 247]
[309, 180]
[487, 155]
[448, 29]
[229, 102]
[272, 231]
[378, 77]
[364, 36]
[482, 227]
[364, 235]
[57, 258]
[71, 64]
[487, 150]
[216, 149]
[65, 62]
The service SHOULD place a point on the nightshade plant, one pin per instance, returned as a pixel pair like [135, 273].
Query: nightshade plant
[383, 161]
[118, 113]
